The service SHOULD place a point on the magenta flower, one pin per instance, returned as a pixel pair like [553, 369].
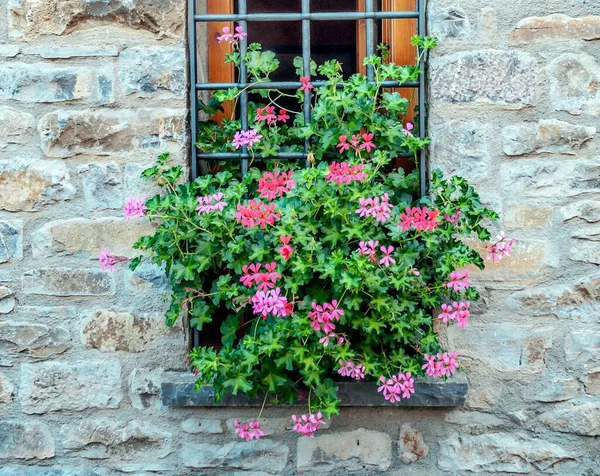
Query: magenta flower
[343, 145]
[352, 370]
[462, 313]
[376, 207]
[368, 142]
[266, 114]
[226, 36]
[283, 116]
[387, 259]
[246, 138]
[407, 130]
[441, 365]
[108, 260]
[264, 281]
[345, 172]
[459, 280]
[500, 249]
[286, 250]
[430, 367]
[355, 141]
[256, 213]
[454, 218]
[211, 203]
[447, 313]
[322, 316]
[241, 430]
[306, 86]
[275, 184]
[419, 219]
[307, 424]
[269, 302]
[134, 208]
[239, 33]
[254, 430]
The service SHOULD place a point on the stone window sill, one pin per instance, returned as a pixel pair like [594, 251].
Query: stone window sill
[179, 392]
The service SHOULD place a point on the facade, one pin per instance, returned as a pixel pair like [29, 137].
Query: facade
[91, 92]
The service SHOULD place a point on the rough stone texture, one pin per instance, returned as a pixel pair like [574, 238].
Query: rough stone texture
[550, 390]
[579, 419]
[491, 76]
[196, 426]
[262, 454]
[153, 72]
[56, 386]
[548, 136]
[102, 186]
[25, 441]
[144, 388]
[15, 126]
[502, 452]
[61, 470]
[122, 331]
[591, 381]
[68, 282]
[7, 300]
[449, 23]
[351, 451]
[7, 390]
[583, 345]
[128, 440]
[411, 446]
[558, 26]
[103, 132]
[35, 340]
[11, 241]
[588, 210]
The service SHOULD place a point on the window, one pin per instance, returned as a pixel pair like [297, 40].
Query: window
[348, 30]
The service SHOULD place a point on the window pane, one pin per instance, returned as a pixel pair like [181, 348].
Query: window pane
[273, 6]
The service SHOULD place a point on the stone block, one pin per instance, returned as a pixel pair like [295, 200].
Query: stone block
[57, 386]
[357, 450]
[105, 438]
[578, 419]
[574, 84]
[9, 51]
[586, 252]
[25, 440]
[557, 26]
[57, 470]
[583, 345]
[551, 389]
[527, 217]
[144, 388]
[105, 132]
[26, 186]
[155, 72]
[591, 381]
[490, 76]
[586, 210]
[68, 52]
[122, 331]
[252, 455]
[102, 186]
[7, 300]
[11, 240]
[195, 426]
[549, 136]
[32, 339]
[44, 83]
[449, 23]
[16, 127]
[271, 426]
[32, 19]
[7, 390]
[68, 282]
[411, 446]
[502, 453]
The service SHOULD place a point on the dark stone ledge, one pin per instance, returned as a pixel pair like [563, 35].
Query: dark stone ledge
[179, 392]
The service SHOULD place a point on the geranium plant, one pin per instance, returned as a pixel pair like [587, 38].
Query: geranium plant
[335, 271]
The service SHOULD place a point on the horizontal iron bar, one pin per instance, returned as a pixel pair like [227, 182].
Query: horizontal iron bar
[292, 85]
[324, 16]
[281, 155]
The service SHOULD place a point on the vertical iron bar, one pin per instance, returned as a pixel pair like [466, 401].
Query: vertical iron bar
[242, 10]
[193, 80]
[423, 173]
[306, 69]
[370, 33]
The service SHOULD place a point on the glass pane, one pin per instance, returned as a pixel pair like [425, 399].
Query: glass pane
[273, 6]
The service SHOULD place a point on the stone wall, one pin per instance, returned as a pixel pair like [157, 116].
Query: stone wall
[92, 91]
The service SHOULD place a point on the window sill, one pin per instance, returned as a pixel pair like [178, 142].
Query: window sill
[179, 392]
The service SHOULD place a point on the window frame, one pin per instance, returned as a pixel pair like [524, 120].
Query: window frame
[369, 16]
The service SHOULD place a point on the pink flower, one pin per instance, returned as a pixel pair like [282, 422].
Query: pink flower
[416, 272]
[269, 302]
[283, 116]
[459, 280]
[134, 208]
[241, 430]
[256, 213]
[108, 260]
[369, 248]
[407, 384]
[462, 313]
[246, 138]
[376, 207]
[307, 424]
[254, 430]
[387, 259]
[419, 219]
[447, 313]
[275, 184]
[286, 250]
[210, 203]
[368, 142]
[345, 172]
[355, 141]
[239, 33]
[306, 86]
[252, 275]
[500, 249]
[441, 365]
[454, 218]
[269, 114]
[407, 130]
[352, 370]
[322, 316]
[343, 145]
[430, 367]
[226, 36]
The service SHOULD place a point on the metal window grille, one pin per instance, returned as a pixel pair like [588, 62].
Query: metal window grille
[242, 17]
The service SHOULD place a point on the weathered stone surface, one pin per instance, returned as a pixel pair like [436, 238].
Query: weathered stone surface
[135, 185]
[449, 23]
[574, 82]
[591, 381]
[102, 186]
[25, 185]
[489, 22]
[461, 148]
[122, 331]
[25, 440]
[106, 86]
[494, 76]
[527, 217]
[504, 347]
[579, 419]
[547, 136]
[44, 83]
[583, 345]
[351, 451]
[9, 51]
[502, 452]
[411, 446]
[68, 282]
[551, 389]
[71, 52]
[587, 252]
[7, 300]
[587, 210]
[16, 127]
[32, 339]
[197, 426]
[81, 236]
[144, 388]
[105, 132]
[558, 26]
[11, 241]
[271, 426]
[123, 440]
[58, 470]
[31, 19]
[155, 72]
[473, 421]
[7, 389]
[55, 386]
[263, 455]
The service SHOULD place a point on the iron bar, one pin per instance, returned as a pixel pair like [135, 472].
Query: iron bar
[321, 16]
[291, 85]
[281, 155]
[306, 70]
[423, 173]
[243, 79]
[192, 91]
[370, 34]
